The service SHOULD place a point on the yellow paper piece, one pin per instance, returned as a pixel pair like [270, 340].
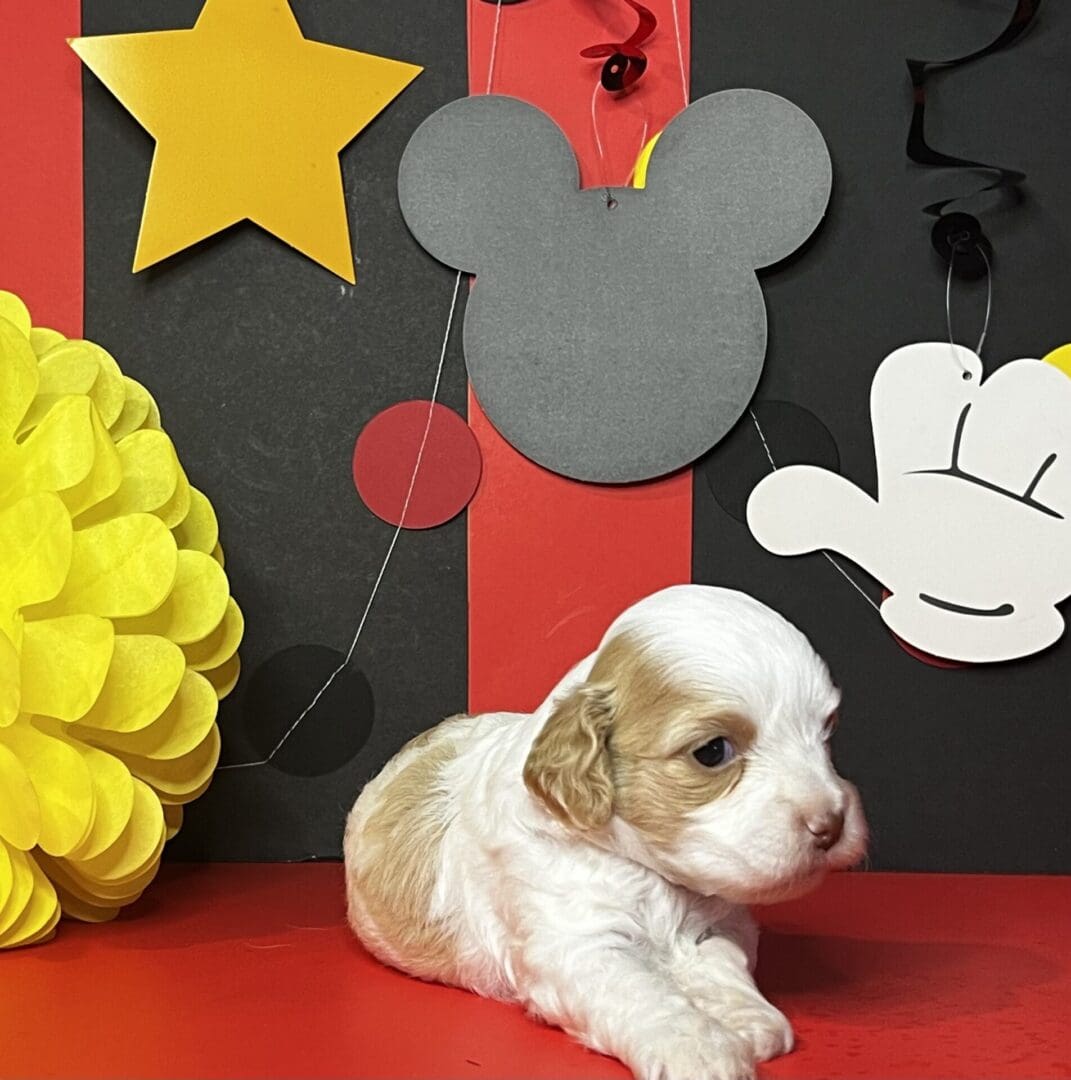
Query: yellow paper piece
[1060, 358]
[104, 477]
[249, 117]
[150, 472]
[225, 677]
[143, 678]
[180, 777]
[138, 846]
[42, 339]
[178, 506]
[64, 663]
[121, 568]
[77, 908]
[20, 811]
[179, 729]
[217, 554]
[198, 530]
[172, 820]
[10, 682]
[639, 174]
[35, 551]
[220, 645]
[134, 412]
[113, 799]
[60, 779]
[15, 311]
[39, 911]
[64, 370]
[60, 452]
[194, 607]
[18, 376]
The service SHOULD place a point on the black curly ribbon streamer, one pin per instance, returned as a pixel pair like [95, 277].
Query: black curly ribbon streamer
[961, 233]
[626, 61]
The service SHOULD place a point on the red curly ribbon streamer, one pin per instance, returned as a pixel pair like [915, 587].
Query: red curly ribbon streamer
[626, 61]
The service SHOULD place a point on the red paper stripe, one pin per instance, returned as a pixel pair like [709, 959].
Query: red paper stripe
[552, 561]
[41, 243]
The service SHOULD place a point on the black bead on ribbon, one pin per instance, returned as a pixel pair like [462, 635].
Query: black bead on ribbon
[959, 237]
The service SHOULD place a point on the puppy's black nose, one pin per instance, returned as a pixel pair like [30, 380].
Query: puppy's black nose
[826, 828]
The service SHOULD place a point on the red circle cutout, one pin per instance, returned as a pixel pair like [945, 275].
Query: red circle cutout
[386, 451]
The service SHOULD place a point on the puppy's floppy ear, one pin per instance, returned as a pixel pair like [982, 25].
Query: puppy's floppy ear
[481, 176]
[568, 767]
[749, 169]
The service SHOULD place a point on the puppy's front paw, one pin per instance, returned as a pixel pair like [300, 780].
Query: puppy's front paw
[708, 1052]
[765, 1029]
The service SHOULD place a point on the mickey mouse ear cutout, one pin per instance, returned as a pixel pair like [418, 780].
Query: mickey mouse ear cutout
[615, 347]
[751, 164]
[478, 166]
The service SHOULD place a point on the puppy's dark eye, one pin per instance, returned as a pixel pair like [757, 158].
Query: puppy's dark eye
[716, 752]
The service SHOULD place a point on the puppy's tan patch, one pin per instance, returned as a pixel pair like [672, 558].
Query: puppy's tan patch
[622, 743]
[399, 845]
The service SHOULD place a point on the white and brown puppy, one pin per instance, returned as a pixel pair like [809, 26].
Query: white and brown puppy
[591, 860]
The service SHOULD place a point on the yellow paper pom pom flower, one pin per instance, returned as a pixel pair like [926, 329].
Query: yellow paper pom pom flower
[118, 633]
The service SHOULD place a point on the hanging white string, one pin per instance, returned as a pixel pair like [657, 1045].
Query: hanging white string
[408, 495]
[680, 53]
[948, 304]
[754, 419]
[386, 558]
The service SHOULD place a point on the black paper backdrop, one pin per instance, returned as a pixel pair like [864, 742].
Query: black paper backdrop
[266, 367]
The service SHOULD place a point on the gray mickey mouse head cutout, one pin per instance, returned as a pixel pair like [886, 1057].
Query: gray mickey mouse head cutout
[615, 343]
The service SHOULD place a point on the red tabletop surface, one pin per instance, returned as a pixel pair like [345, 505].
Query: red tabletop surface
[233, 970]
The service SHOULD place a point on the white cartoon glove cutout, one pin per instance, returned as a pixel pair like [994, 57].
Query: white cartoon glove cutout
[971, 531]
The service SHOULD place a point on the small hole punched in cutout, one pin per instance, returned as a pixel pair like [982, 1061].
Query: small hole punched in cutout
[967, 376]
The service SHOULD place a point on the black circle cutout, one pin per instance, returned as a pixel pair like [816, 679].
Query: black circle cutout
[331, 734]
[794, 436]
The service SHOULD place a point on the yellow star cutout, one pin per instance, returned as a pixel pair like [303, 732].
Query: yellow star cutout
[249, 117]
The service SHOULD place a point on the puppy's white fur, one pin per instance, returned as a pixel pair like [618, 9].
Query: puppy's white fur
[580, 861]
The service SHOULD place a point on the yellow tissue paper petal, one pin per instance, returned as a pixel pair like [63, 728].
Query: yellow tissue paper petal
[219, 646]
[194, 607]
[143, 678]
[10, 684]
[18, 376]
[16, 884]
[20, 811]
[40, 911]
[134, 412]
[178, 506]
[173, 820]
[42, 338]
[138, 846]
[152, 420]
[217, 554]
[113, 795]
[119, 568]
[150, 474]
[103, 478]
[181, 727]
[198, 530]
[60, 452]
[76, 908]
[15, 311]
[63, 371]
[64, 664]
[225, 677]
[78, 367]
[179, 777]
[36, 545]
[60, 779]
